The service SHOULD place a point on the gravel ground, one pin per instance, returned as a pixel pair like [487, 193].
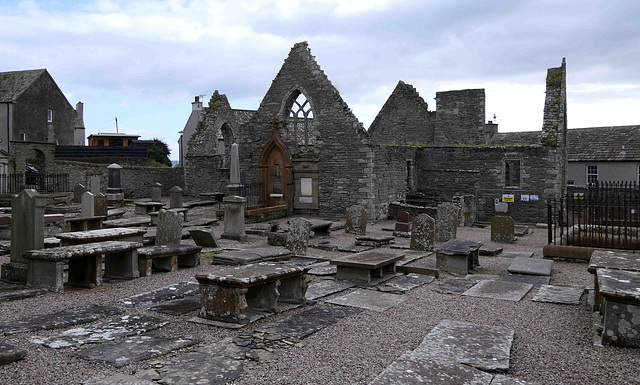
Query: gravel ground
[553, 343]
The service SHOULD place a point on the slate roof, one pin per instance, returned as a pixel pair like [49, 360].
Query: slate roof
[14, 83]
[616, 143]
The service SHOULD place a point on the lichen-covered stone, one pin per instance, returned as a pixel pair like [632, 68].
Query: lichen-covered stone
[423, 234]
[356, 221]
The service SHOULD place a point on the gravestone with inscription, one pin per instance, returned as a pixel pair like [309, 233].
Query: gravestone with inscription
[446, 222]
[169, 227]
[356, 222]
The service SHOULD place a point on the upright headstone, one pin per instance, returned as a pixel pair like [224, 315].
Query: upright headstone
[169, 229]
[88, 205]
[27, 232]
[423, 234]
[100, 205]
[234, 227]
[502, 229]
[235, 184]
[298, 236]
[94, 184]
[356, 222]
[78, 190]
[156, 192]
[175, 197]
[403, 223]
[114, 188]
[446, 222]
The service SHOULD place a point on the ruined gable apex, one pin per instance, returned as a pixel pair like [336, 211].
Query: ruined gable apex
[219, 101]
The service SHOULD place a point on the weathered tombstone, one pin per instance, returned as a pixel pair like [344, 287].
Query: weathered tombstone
[298, 236]
[88, 205]
[403, 223]
[234, 227]
[422, 236]
[114, 188]
[94, 184]
[27, 232]
[78, 190]
[175, 197]
[204, 237]
[100, 207]
[502, 229]
[169, 230]
[356, 222]
[446, 222]
[234, 185]
[156, 192]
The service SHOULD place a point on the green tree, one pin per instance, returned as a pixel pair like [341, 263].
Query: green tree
[159, 152]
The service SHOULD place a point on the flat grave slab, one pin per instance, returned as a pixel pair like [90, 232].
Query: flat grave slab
[535, 280]
[355, 248]
[615, 260]
[179, 306]
[369, 300]
[323, 268]
[490, 251]
[569, 295]
[307, 322]
[410, 369]
[506, 291]
[128, 222]
[373, 241]
[501, 379]
[482, 277]
[516, 254]
[60, 319]
[484, 347]
[213, 364]
[406, 282]
[117, 379]
[10, 292]
[10, 353]
[339, 225]
[200, 222]
[133, 349]
[322, 244]
[456, 285]
[253, 315]
[119, 327]
[326, 287]
[413, 255]
[252, 255]
[178, 290]
[532, 266]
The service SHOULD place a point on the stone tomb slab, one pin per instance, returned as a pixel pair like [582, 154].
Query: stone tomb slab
[355, 248]
[406, 282]
[500, 379]
[323, 268]
[413, 255]
[535, 280]
[369, 300]
[326, 287]
[10, 292]
[60, 319]
[252, 315]
[10, 353]
[484, 347]
[117, 379]
[252, 255]
[411, 369]
[307, 322]
[506, 291]
[531, 266]
[123, 326]
[490, 251]
[133, 349]
[175, 291]
[568, 295]
[516, 254]
[456, 285]
[179, 306]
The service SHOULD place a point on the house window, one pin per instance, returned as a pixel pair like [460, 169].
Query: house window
[23, 136]
[592, 174]
[49, 116]
[512, 172]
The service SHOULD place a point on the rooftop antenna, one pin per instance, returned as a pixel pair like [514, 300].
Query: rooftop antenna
[116, 124]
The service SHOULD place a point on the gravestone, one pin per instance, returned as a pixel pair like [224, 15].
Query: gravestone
[403, 223]
[175, 197]
[356, 220]
[204, 237]
[422, 236]
[114, 188]
[298, 236]
[100, 206]
[169, 230]
[88, 205]
[234, 187]
[78, 190]
[446, 222]
[156, 192]
[94, 184]
[502, 229]
[234, 227]
[27, 232]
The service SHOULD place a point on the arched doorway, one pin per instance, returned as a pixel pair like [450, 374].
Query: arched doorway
[276, 173]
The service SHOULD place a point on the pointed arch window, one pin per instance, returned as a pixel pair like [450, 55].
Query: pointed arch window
[300, 123]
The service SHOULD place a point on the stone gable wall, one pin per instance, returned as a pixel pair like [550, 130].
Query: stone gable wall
[460, 117]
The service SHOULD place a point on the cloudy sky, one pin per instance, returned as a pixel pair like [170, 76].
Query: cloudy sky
[143, 61]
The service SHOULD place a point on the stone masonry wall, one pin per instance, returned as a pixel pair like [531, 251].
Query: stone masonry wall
[204, 174]
[391, 175]
[460, 117]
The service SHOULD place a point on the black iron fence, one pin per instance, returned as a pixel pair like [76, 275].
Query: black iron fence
[252, 192]
[43, 183]
[601, 215]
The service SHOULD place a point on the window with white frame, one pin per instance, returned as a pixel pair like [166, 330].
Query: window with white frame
[23, 136]
[592, 174]
[49, 116]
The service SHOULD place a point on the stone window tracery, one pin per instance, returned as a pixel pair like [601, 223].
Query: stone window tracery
[300, 125]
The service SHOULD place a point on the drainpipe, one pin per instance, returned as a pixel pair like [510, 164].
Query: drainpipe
[8, 130]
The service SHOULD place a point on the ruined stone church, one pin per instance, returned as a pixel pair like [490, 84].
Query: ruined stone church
[309, 154]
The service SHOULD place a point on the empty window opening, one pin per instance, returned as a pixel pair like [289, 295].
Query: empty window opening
[512, 173]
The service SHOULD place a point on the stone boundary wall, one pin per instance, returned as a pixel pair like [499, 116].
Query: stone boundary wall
[391, 175]
[202, 174]
[136, 180]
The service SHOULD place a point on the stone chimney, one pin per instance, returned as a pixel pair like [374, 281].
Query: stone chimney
[79, 110]
[197, 104]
